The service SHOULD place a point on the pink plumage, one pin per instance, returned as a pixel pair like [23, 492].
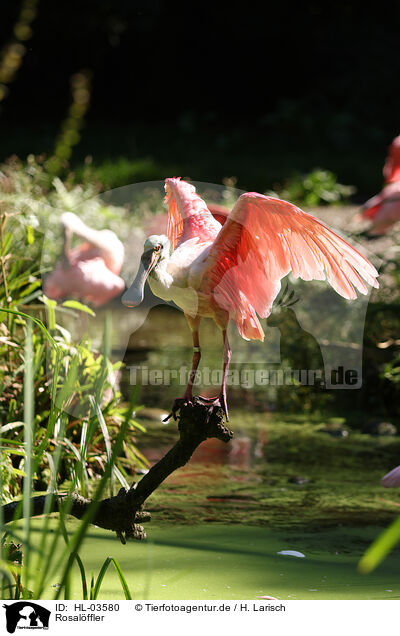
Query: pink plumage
[189, 216]
[383, 210]
[234, 271]
[392, 479]
[391, 169]
[262, 241]
[90, 270]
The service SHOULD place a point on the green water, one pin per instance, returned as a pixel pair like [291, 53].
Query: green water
[237, 562]
[250, 480]
[219, 522]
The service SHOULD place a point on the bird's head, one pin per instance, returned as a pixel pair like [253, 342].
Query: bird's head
[156, 249]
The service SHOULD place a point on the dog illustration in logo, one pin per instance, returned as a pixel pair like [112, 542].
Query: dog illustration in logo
[26, 614]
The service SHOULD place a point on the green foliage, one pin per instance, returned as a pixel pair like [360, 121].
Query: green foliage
[380, 548]
[44, 444]
[318, 187]
[50, 445]
[69, 135]
[381, 342]
[12, 55]
[36, 198]
[76, 405]
[120, 171]
[391, 370]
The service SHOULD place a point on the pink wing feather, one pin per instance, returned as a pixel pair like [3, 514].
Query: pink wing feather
[261, 242]
[188, 214]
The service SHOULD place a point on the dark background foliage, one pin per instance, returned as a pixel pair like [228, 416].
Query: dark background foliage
[163, 59]
[305, 83]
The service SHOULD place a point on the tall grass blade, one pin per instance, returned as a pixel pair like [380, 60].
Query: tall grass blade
[96, 408]
[28, 437]
[75, 557]
[120, 576]
[37, 322]
[54, 465]
[380, 548]
[92, 587]
[79, 535]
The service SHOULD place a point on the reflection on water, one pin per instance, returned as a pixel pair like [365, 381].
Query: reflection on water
[242, 452]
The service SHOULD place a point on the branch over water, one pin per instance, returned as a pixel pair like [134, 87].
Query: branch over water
[124, 513]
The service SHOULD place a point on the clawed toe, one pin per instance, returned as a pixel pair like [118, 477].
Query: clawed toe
[220, 400]
[211, 401]
[176, 406]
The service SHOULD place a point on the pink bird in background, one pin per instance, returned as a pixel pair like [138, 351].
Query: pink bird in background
[90, 270]
[391, 479]
[234, 271]
[383, 210]
[391, 169]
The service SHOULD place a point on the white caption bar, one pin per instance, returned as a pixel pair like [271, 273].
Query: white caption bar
[98, 618]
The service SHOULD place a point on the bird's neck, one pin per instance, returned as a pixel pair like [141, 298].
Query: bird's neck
[161, 275]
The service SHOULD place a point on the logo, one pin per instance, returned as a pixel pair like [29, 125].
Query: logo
[26, 615]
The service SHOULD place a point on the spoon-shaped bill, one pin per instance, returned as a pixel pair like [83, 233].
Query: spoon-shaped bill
[135, 293]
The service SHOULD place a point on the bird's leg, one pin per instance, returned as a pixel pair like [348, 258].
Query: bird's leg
[222, 396]
[195, 363]
[188, 395]
[226, 360]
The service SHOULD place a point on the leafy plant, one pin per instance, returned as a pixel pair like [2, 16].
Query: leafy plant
[92, 592]
[39, 563]
[60, 368]
[318, 187]
[380, 548]
[35, 199]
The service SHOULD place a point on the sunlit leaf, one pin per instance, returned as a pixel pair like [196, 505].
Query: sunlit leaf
[380, 548]
[30, 235]
[75, 304]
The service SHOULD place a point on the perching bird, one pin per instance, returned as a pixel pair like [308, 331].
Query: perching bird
[90, 270]
[383, 210]
[234, 271]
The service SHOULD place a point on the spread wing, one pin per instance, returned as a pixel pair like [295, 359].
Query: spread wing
[263, 240]
[175, 220]
[188, 214]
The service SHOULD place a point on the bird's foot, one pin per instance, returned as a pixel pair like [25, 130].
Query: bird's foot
[178, 403]
[220, 400]
[176, 406]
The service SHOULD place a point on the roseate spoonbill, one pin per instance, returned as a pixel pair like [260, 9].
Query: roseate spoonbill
[383, 210]
[234, 271]
[90, 270]
[391, 169]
